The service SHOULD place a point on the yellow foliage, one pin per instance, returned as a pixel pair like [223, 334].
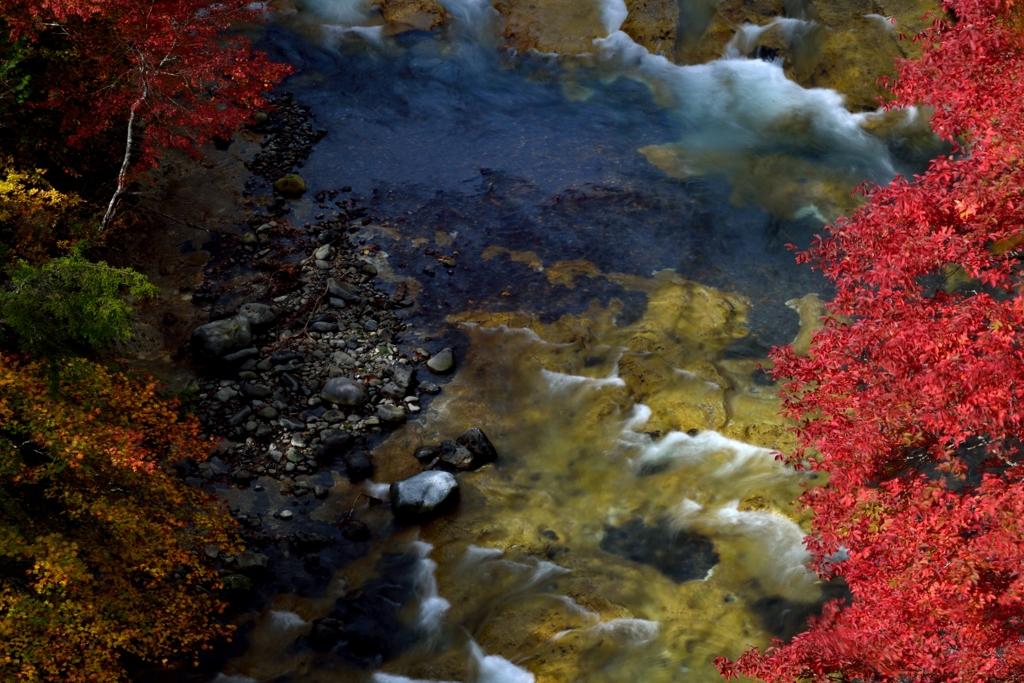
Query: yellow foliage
[33, 215]
[101, 547]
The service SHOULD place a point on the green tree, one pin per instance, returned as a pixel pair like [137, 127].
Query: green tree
[70, 304]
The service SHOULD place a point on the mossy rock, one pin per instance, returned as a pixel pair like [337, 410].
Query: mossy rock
[291, 185]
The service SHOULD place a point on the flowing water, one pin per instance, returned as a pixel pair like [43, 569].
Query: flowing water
[618, 226]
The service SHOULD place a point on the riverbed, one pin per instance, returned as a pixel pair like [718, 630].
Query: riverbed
[602, 230]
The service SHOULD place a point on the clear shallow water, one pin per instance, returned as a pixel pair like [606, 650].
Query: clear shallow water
[618, 224]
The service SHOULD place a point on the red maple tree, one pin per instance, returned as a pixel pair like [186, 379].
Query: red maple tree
[909, 396]
[168, 73]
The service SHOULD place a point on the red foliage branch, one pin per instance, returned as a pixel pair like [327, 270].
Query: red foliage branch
[910, 396]
[174, 67]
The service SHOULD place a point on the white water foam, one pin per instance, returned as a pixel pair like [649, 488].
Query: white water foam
[389, 678]
[778, 539]
[495, 669]
[333, 35]
[380, 491]
[285, 620]
[748, 36]
[737, 105]
[613, 13]
[338, 12]
[432, 607]
[627, 631]
[475, 18]
[886, 23]
[560, 383]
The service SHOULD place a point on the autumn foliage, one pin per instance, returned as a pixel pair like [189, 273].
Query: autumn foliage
[909, 396]
[102, 549]
[176, 63]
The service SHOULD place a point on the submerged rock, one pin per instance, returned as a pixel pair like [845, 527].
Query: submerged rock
[678, 555]
[325, 634]
[423, 496]
[291, 185]
[358, 466]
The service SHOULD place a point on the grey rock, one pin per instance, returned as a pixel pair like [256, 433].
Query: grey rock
[428, 388]
[456, 456]
[263, 431]
[369, 269]
[320, 492]
[402, 375]
[242, 477]
[252, 560]
[264, 365]
[292, 424]
[215, 340]
[282, 357]
[335, 302]
[241, 356]
[285, 515]
[342, 359]
[323, 253]
[260, 316]
[427, 454]
[344, 391]
[344, 290]
[256, 391]
[276, 456]
[370, 325]
[333, 417]
[225, 395]
[477, 443]
[323, 327]
[423, 496]
[390, 414]
[442, 362]
[268, 413]
[240, 417]
[392, 390]
[289, 382]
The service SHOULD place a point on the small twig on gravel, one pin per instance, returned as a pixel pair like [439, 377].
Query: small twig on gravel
[316, 306]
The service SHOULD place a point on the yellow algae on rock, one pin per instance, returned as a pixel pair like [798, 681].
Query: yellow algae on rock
[811, 311]
[413, 15]
[653, 23]
[567, 27]
[565, 272]
[530, 258]
[783, 185]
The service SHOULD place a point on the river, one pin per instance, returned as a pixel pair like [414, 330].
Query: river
[615, 225]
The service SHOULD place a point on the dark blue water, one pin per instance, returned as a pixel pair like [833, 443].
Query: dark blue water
[462, 138]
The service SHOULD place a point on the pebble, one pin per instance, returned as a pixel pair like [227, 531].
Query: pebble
[443, 362]
[285, 515]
